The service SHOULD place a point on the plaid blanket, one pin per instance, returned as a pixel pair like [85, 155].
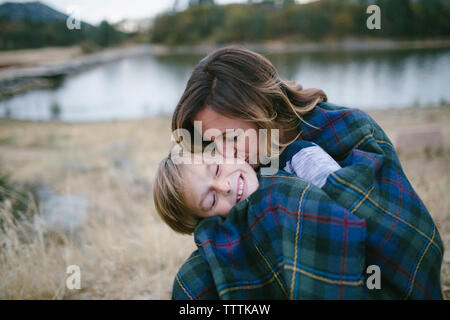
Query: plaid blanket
[292, 240]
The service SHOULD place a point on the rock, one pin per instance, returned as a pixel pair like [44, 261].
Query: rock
[61, 212]
[78, 168]
[64, 212]
[124, 163]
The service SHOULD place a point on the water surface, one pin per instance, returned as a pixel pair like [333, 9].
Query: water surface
[148, 85]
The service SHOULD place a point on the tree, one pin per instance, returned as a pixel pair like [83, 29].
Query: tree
[397, 17]
[433, 18]
[200, 2]
[106, 35]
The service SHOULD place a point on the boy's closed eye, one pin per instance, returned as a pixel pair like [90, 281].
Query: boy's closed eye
[213, 194]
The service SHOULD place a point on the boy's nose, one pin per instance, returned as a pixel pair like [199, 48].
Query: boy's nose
[222, 185]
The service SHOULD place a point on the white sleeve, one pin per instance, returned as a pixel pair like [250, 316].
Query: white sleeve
[312, 164]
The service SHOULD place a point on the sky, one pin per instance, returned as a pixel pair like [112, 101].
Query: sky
[94, 11]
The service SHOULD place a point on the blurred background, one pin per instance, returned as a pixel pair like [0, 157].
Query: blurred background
[87, 89]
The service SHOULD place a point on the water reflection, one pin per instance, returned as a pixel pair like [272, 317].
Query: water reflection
[373, 79]
[148, 85]
[55, 111]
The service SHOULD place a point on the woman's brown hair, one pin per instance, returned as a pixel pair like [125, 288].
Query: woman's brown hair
[239, 83]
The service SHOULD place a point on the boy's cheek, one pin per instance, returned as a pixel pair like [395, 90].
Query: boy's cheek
[224, 212]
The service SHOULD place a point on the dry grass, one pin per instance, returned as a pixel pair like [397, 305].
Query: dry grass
[124, 250]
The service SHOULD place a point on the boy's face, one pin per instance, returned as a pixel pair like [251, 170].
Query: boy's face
[213, 189]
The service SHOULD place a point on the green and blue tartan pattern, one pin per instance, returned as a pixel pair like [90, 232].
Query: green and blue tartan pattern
[289, 240]
[292, 240]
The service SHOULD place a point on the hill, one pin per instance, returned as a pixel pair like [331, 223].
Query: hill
[33, 11]
[36, 25]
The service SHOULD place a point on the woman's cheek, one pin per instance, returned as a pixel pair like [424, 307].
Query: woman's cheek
[240, 148]
[248, 148]
[224, 148]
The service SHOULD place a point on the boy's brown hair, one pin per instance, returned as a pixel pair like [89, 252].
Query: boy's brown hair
[169, 198]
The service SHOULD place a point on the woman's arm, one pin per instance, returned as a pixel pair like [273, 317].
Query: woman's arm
[402, 237]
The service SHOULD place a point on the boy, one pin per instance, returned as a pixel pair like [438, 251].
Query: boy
[186, 193]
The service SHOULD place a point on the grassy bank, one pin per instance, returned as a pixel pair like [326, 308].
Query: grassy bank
[124, 250]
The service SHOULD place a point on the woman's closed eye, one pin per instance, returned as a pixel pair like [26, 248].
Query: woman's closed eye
[232, 138]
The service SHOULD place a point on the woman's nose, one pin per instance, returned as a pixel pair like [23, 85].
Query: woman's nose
[226, 148]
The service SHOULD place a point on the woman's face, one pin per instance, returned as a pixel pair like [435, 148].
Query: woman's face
[234, 138]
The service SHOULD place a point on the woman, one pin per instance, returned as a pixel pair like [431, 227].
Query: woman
[234, 88]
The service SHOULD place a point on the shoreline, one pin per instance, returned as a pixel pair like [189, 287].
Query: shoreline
[24, 70]
[347, 45]
[376, 112]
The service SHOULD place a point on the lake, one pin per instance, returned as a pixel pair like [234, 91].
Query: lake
[145, 86]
